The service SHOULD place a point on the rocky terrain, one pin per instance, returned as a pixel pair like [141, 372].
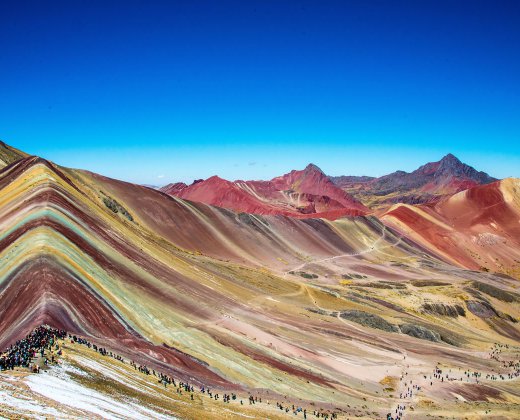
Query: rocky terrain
[429, 183]
[306, 193]
[415, 311]
[310, 193]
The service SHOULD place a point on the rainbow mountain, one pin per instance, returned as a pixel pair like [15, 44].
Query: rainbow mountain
[329, 315]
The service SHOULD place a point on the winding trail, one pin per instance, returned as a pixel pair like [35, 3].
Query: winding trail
[373, 248]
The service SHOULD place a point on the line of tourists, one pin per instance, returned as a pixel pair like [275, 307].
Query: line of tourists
[43, 343]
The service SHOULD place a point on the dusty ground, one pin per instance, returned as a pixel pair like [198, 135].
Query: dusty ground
[85, 384]
[347, 315]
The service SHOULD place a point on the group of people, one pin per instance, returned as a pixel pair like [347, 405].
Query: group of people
[468, 375]
[512, 365]
[43, 341]
[185, 387]
[295, 410]
[38, 343]
[410, 389]
[496, 353]
[42, 345]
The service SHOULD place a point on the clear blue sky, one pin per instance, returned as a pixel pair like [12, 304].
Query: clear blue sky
[153, 92]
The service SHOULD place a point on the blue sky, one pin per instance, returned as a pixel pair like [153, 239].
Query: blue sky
[153, 92]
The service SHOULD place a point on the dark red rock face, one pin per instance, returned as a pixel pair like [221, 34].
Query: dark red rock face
[304, 194]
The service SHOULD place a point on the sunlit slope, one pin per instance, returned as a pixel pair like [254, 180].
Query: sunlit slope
[9, 154]
[232, 300]
[478, 228]
[308, 193]
[70, 261]
[273, 241]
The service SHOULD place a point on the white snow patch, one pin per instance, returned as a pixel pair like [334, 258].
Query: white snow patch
[22, 405]
[57, 385]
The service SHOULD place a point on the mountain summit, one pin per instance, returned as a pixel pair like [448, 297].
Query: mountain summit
[311, 167]
[247, 304]
[311, 193]
[9, 154]
[306, 193]
[429, 182]
[451, 166]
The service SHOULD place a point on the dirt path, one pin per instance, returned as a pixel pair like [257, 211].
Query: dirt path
[373, 248]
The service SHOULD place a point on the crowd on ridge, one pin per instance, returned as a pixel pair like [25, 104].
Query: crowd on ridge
[23, 352]
[43, 342]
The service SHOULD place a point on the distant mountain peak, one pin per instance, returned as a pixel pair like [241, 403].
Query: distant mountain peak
[311, 167]
[215, 178]
[451, 166]
[173, 188]
[450, 157]
[451, 161]
[428, 183]
[302, 193]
